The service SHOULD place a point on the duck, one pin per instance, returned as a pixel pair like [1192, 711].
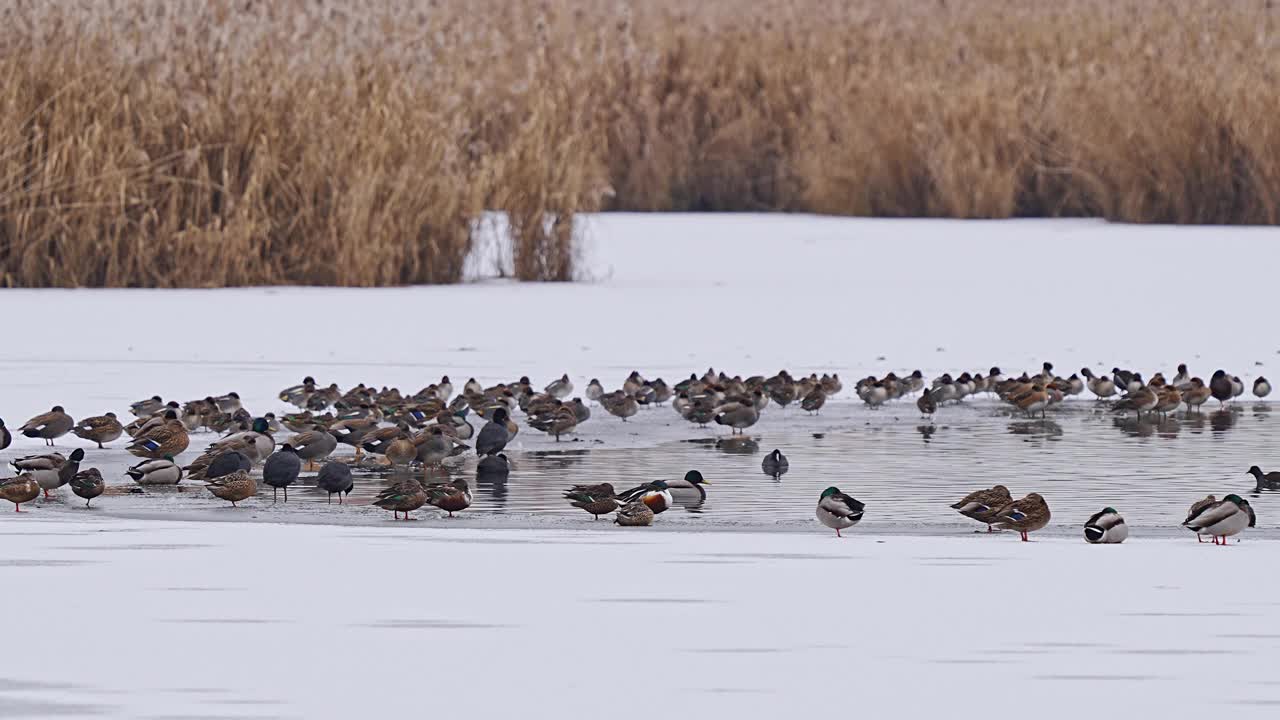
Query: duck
[1196, 395]
[88, 484]
[1167, 400]
[737, 415]
[1221, 387]
[401, 451]
[838, 511]
[228, 403]
[1182, 380]
[451, 497]
[1101, 387]
[981, 505]
[1106, 527]
[100, 429]
[402, 497]
[594, 390]
[814, 400]
[1027, 515]
[1261, 389]
[6, 437]
[297, 395]
[435, 444]
[312, 445]
[20, 489]
[692, 482]
[52, 471]
[596, 499]
[1269, 481]
[621, 406]
[352, 431]
[170, 438]
[1141, 400]
[1222, 519]
[48, 426]
[1196, 508]
[335, 477]
[259, 434]
[560, 389]
[148, 407]
[162, 471]
[235, 487]
[560, 422]
[1237, 387]
[635, 514]
[216, 463]
[493, 437]
[775, 464]
[926, 403]
[656, 494]
[1032, 401]
[493, 465]
[281, 469]
[580, 410]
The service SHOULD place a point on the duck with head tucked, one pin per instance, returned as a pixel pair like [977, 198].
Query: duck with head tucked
[1220, 520]
[99, 429]
[838, 511]
[1027, 515]
[981, 505]
[48, 426]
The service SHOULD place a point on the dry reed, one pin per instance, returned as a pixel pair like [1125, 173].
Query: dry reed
[205, 143]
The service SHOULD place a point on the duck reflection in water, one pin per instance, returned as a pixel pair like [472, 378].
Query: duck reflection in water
[739, 445]
[1036, 428]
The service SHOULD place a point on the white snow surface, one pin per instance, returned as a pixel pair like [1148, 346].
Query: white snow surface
[120, 618]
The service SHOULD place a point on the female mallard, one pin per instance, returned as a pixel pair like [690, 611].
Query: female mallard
[1026, 515]
[281, 470]
[1222, 519]
[403, 497]
[163, 471]
[635, 514]
[656, 495]
[235, 487]
[315, 444]
[1196, 508]
[100, 429]
[620, 405]
[335, 477]
[837, 510]
[20, 489]
[775, 464]
[6, 438]
[980, 505]
[737, 415]
[48, 426]
[595, 499]
[1106, 528]
[88, 484]
[171, 439]
[451, 497]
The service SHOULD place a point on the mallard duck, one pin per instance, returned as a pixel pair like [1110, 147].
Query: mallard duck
[435, 444]
[335, 477]
[926, 403]
[1222, 519]
[401, 451]
[351, 432]
[20, 489]
[100, 429]
[234, 487]
[981, 505]
[738, 416]
[458, 421]
[635, 514]
[402, 497]
[148, 407]
[692, 482]
[6, 438]
[1269, 481]
[281, 470]
[1106, 528]
[228, 403]
[451, 497]
[170, 438]
[596, 499]
[494, 436]
[163, 471]
[775, 464]
[620, 405]
[315, 444]
[493, 465]
[1027, 515]
[560, 422]
[814, 400]
[260, 435]
[655, 494]
[1196, 508]
[88, 484]
[50, 470]
[1221, 387]
[1261, 388]
[837, 510]
[560, 389]
[297, 395]
[48, 426]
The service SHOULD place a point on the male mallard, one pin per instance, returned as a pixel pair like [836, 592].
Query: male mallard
[1261, 388]
[99, 429]
[635, 514]
[837, 510]
[163, 471]
[1106, 528]
[5, 436]
[51, 470]
[281, 470]
[980, 505]
[48, 426]
[88, 484]
[1222, 519]
[1196, 508]
[775, 464]
[235, 487]
[20, 489]
[171, 439]
[493, 465]
[691, 483]
[655, 494]
[494, 436]
[595, 499]
[560, 389]
[1026, 515]
[335, 477]
[1269, 481]
[315, 444]
[404, 496]
[451, 497]
[260, 435]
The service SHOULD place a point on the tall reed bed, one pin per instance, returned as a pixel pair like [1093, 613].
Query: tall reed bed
[216, 142]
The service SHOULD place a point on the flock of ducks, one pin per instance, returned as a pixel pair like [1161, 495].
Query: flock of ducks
[426, 428]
